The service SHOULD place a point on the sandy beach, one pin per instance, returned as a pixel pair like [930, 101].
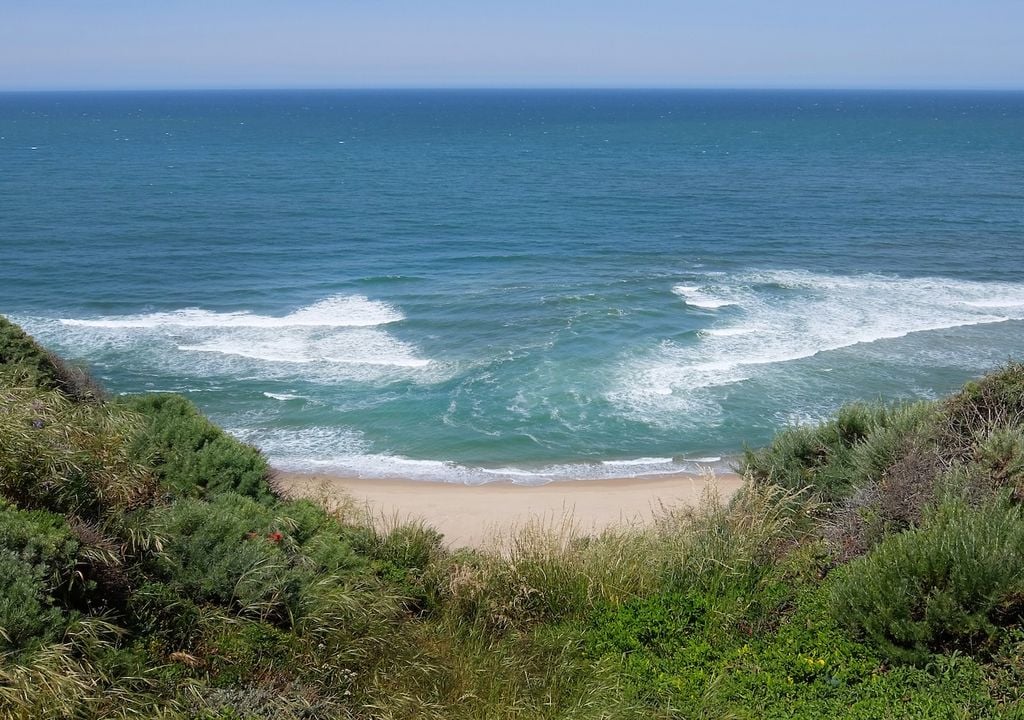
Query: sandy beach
[478, 515]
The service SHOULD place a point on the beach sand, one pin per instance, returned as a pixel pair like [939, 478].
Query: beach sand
[480, 515]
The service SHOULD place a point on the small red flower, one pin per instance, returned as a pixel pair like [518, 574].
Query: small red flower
[275, 536]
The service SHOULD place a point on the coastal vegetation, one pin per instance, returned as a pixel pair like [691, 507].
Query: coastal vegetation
[872, 566]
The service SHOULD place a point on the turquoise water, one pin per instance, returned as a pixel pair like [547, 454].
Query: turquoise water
[472, 286]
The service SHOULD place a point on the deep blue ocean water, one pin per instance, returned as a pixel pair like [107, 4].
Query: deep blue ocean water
[474, 285]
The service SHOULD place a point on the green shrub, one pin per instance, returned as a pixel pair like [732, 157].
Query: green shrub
[817, 457]
[245, 651]
[26, 610]
[18, 348]
[946, 585]
[546, 575]
[337, 550]
[896, 501]
[409, 546]
[304, 519]
[160, 611]
[227, 551]
[724, 551]
[898, 431]
[43, 541]
[191, 455]
[853, 448]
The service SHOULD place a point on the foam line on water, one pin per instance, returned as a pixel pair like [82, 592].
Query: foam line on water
[283, 397]
[335, 311]
[637, 461]
[343, 451]
[783, 316]
[699, 297]
[728, 331]
[359, 346]
[340, 338]
[389, 466]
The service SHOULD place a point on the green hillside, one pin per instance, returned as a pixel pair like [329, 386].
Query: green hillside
[872, 567]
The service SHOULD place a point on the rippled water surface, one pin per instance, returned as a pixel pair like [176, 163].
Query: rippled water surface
[529, 285]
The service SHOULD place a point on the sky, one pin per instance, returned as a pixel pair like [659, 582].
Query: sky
[147, 44]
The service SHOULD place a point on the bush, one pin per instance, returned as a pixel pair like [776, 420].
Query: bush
[304, 519]
[226, 551]
[26, 610]
[949, 584]
[409, 546]
[191, 455]
[337, 550]
[43, 541]
[328, 546]
[162, 612]
[244, 651]
[898, 431]
[981, 407]
[876, 509]
[848, 451]
[724, 551]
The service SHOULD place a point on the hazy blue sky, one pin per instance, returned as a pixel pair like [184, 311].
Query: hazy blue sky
[440, 43]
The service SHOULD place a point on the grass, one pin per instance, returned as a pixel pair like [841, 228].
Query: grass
[869, 568]
[47, 370]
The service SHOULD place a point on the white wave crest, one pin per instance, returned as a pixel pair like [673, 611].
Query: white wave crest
[728, 331]
[697, 297]
[344, 451]
[335, 311]
[637, 461]
[358, 346]
[784, 316]
[284, 397]
[338, 338]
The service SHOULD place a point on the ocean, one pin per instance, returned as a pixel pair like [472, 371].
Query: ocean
[470, 286]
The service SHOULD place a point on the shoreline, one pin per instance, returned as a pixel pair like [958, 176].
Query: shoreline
[481, 516]
[395, 468]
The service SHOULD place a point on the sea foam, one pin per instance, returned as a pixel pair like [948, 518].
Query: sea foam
[335, 311]
[283, 397]
[342, 337]
[345, 451]
[700, 298]
[783, 316]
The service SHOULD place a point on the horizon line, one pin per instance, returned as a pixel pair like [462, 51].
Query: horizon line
[522, 88]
